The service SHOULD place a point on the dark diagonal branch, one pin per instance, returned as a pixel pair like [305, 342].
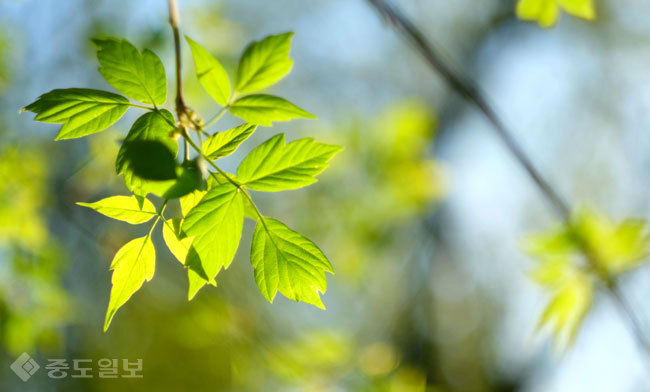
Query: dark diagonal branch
[468, 91]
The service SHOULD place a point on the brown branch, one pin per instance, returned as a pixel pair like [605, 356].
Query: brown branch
[181, 109]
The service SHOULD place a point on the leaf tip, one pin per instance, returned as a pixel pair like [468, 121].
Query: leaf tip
[109, 318]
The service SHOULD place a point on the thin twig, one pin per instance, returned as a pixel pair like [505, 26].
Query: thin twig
[468, 90]
[175, 24]
[627, 311]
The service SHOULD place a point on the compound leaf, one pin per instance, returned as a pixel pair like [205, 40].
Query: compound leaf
[140, 76]
[264, 63]
[225, 143]
[287, 261]
[274, 166]
[216, 225]
[263, 109]
[129, 209]
[134, 263]
[211, 74]
[82, 111]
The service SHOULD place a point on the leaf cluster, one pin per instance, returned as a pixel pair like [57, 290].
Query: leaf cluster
[205, 236]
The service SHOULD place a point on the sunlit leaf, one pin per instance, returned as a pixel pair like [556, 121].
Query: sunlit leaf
[572, 257]
[274, 166]
[211, 74]
[264, 63]
[546, 12]
[140, 76]
[222, 144]
[190, 200]
[572, 297]
[125, 208]
[182, 249]
[617, 247]
[81, 111]
[216, 225]
[288, 262]
[134, 263]
[264, 109]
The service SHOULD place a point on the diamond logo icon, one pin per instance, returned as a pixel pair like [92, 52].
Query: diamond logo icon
[25, 366]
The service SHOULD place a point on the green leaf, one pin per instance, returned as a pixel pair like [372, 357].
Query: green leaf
[140, 76]
[263, 109]
[216, 225]
[188, 178]
[182, 249]
[264, 63]
[616, 247]
[134, 263]
[153, 126]
[124, 208]
[149, 160]
[211, 74]
[190, 200]
[274, 166]
[286, 261]
[225, 143]
[82, 111]
[572, 298]
[546, 12]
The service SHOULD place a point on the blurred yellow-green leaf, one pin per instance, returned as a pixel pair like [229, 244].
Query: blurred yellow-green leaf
[546, 12]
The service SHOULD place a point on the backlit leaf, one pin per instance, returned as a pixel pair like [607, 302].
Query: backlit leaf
[263, 109]
[572, 298]
[125, 208]
[274, 166]
[264, 63]
[182, 249]
[81, 111]
[134, 263]
[222, 144]
[211, 74]
[617, 247]
[140, 76]
[546, 12]
[216, 225]
[288, 262]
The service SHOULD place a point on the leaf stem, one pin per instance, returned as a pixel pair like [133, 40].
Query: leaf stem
[158, 216]
[472, 94]
[232, 181]
[217, 116]
[141, 106]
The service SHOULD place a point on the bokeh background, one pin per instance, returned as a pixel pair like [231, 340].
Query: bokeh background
[422, 215]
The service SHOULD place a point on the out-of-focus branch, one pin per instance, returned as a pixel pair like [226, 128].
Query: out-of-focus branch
[468, 91]
[471, 93]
